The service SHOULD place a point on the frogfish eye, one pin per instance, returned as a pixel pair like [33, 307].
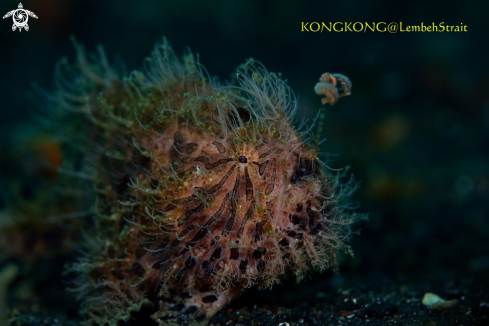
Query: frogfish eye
[243, 159]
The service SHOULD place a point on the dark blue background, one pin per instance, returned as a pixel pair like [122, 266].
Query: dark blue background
[415, 130]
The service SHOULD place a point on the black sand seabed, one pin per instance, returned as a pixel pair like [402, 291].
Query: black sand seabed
[395, 302]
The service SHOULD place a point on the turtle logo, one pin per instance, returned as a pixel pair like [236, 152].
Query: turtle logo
[20, 17]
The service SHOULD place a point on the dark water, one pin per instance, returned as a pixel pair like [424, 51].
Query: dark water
[415, 130]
